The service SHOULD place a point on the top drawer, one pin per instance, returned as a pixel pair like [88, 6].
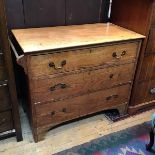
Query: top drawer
[41, 65]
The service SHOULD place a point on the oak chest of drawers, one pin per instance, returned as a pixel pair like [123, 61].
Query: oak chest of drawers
[74, 71]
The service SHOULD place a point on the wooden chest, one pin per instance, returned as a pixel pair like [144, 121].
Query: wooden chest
[74, 71]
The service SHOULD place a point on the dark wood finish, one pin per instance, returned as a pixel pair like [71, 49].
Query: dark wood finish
[96, 74]
[6, 122]
[44, 13]
[148, 68]
[1, 59]
[41, 13]
[150, 45]
[144, 94]
[153, 19]
[3, 74]
[15, 13]
[133, 15]
[5, 103]
[137, 16]
[14, 122]
[90, 11]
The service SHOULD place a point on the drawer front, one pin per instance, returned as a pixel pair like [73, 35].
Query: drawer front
[151, 41]
[62, 87]
[148, 68]
[82, 59]
[4, 98]
[3, 74]
[145, 92]
[1, 59]
[6, 122]
[61, 111]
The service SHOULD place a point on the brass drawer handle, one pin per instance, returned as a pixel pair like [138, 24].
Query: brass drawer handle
[52, 65]
[119, 55]
[2, 121]
[111, 97]
[60, 85]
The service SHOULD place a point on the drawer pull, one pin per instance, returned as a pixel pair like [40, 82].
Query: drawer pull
[52, 113]
[119, 55]
[52, 64]
[64, 110]
[152, 91]
[2, 121]
[111, 97]
[60, 85]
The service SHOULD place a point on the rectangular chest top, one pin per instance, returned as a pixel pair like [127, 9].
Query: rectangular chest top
[61, 37]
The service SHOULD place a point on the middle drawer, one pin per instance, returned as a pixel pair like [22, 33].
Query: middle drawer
[75, 84]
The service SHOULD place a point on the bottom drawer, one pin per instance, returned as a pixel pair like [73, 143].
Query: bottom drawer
[61, 111]
[5, 102]
[145, 92]
[6, 122]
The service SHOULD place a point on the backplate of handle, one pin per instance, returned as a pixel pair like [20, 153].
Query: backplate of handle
[57, 67]
[111, 97]
[64, 110]
[118, 55]
[58, 86]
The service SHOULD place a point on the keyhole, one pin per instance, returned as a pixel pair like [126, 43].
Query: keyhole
[111, 76]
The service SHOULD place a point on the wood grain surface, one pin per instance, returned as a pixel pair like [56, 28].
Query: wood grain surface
[5, 102]
[6, 122]
[40, 65]
[52, 38]
[148, 68]
[150, 44]
[76, 84]
[57, 112]
[143, 94]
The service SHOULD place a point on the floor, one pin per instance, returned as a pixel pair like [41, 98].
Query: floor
[68, 135]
